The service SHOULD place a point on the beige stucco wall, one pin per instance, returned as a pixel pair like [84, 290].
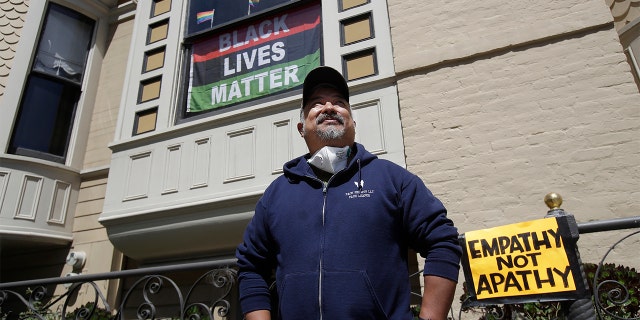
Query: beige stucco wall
[87, 230]
[110, 87]
[12, 16]
[88, 234]
[504, 102]
[445, 31]
[91, 238]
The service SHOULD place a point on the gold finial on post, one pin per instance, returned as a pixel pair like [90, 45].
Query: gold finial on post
[553, 200]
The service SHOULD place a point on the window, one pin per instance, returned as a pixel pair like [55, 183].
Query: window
[207, 14]
[356, 29]
[158, 31]
[251, 59]
[348, 4]
[160, 7]
[52, 91]
[360, 64]
[145, 121]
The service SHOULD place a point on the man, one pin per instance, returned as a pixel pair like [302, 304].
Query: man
[336, 227]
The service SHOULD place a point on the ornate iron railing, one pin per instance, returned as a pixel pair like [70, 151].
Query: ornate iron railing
[152, 296]
[611, 296]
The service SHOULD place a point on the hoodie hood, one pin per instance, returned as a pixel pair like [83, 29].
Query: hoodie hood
[298, 169]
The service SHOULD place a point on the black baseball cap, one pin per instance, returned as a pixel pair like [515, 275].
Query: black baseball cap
[324, 75]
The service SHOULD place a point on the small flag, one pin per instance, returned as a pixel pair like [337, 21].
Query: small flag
[204, 16]
[253, 2]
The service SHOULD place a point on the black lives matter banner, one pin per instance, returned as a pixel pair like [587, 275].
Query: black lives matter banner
[266, 57]
[523, 262]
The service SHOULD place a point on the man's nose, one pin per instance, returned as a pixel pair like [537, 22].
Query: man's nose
[328, 107]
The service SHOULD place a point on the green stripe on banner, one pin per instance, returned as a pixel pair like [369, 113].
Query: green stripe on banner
[249, 86]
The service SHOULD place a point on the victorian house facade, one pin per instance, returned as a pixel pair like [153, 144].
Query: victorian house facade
[141, 133]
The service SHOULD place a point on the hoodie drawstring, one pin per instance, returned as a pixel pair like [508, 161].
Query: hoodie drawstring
[360, 182]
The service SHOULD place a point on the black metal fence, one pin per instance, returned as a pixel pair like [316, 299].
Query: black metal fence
[213, 295]
[151, 295]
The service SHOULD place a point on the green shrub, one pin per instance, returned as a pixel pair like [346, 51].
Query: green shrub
[79, 313]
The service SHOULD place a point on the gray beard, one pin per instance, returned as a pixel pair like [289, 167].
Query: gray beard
[330, 133]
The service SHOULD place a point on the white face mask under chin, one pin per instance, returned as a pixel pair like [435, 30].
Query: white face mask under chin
[330, 159]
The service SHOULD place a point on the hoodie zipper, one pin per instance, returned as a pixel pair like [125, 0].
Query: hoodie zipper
[324, 206]
[325, 186]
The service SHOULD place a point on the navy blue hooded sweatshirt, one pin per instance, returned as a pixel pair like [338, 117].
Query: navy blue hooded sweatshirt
[340, 249]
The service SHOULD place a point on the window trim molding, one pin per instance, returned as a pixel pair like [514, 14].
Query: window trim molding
[368, 17]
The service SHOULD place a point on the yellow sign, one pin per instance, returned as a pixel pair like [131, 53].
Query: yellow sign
[527, 258]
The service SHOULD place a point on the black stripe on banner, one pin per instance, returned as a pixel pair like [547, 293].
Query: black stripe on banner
[246, 61]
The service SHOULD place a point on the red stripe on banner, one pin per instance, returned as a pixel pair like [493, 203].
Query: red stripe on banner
[296, 18]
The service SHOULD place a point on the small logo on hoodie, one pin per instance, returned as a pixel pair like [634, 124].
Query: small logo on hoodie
[361, 192]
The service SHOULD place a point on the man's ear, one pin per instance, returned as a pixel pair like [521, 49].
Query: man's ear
[300, 128]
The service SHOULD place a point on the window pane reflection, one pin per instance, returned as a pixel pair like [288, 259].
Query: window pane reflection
[64, 44]
[45, 118]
